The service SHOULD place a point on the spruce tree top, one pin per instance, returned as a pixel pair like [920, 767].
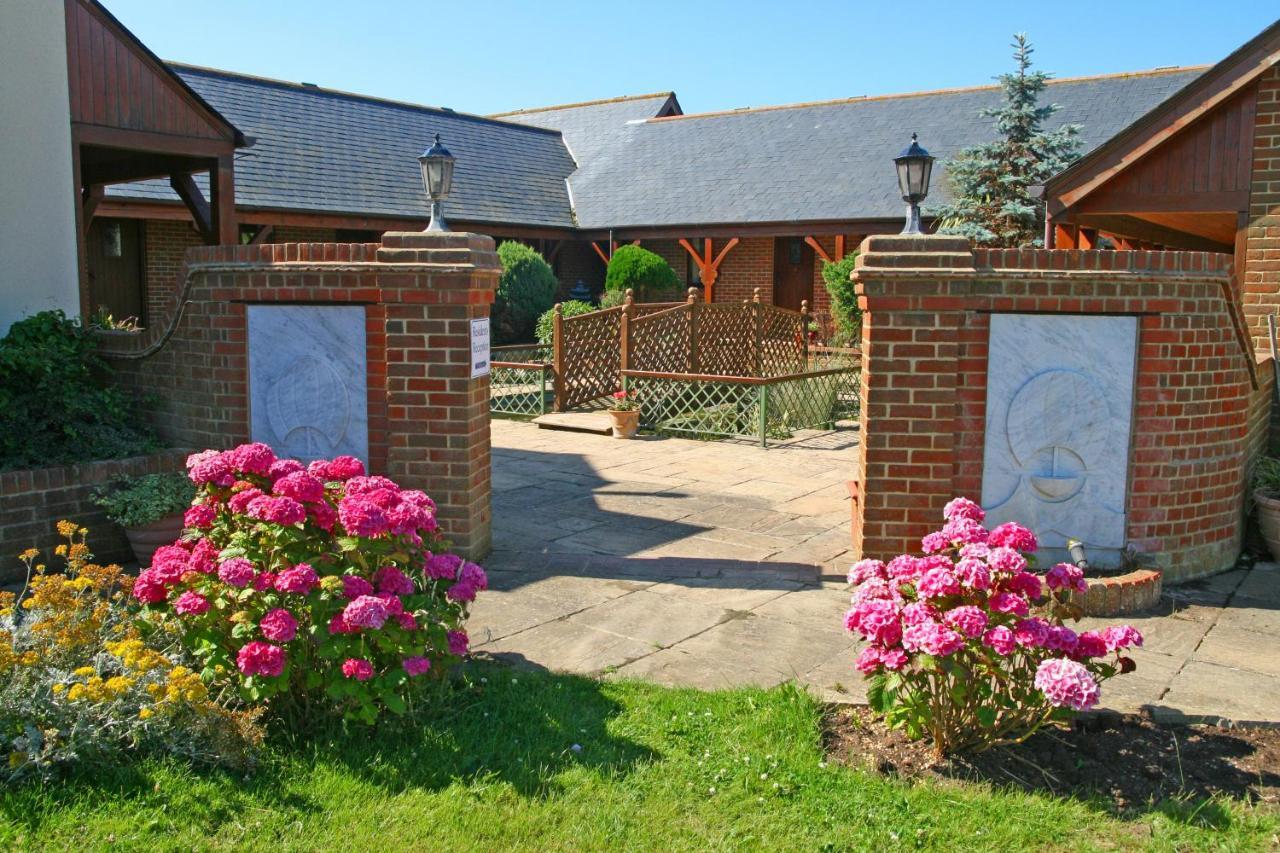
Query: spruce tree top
[990, 183]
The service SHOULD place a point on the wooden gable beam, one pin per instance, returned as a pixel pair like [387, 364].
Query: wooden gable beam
[600, 252]
[708, 267]
[817, 248]
[835, 258]
[185, 187]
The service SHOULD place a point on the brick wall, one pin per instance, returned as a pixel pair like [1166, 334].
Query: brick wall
[165, 245]
[1200, 408]
[1262, 247]
[428, 420]
[33, 502]
[747, 266]
[577, 261]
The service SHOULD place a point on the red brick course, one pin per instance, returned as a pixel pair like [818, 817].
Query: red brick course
[428, 420]
[33, 502]
[1198, 420]
[1262, 239]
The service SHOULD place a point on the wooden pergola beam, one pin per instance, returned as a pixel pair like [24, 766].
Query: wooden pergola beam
[196, 204]
[708, 267]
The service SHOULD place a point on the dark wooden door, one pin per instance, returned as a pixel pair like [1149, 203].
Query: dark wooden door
[792, 272]
[115, 268]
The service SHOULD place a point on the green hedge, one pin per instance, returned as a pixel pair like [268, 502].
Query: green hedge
[844, 303]
[638, 269]
[572, 308]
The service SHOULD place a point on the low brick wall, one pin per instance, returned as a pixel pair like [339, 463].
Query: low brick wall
[33, 502]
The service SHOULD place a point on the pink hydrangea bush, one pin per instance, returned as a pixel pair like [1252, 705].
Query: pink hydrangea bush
[966, 642]
[293, 583]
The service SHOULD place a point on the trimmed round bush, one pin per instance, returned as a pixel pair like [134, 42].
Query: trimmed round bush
[526, 290]
[638, 269]
[572, 308]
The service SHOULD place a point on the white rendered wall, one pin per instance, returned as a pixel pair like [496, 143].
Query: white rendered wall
[38, 263]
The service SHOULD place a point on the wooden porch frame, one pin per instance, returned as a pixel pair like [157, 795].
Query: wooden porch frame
[708, 268]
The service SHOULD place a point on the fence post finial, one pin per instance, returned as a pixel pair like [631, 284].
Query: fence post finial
[755, 295]
[631, 296]
[804, 307]
[693, 295]
[557, 308]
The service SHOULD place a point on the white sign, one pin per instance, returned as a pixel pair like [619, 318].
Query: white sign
[479, 347]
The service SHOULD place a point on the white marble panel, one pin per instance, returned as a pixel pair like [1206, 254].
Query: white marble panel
[1059, 411]
[308, 380]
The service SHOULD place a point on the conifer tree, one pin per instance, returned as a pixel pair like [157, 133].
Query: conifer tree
[990, 183]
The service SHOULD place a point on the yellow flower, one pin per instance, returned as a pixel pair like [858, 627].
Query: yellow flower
[239, 616]
[144, 713]
[30, 554]
[331, 583]
[85, 671]
[61, 550]
[67, 528]
[58, 689]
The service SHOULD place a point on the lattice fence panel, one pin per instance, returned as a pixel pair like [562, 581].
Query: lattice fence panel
[590, 356]
[782, 335]
[725, 341]
[660, 341]
[520, 380]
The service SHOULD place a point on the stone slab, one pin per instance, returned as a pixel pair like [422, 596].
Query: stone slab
[1059, 407]
[593, 422]
[654, 619]
[568, 646]
[308, 380]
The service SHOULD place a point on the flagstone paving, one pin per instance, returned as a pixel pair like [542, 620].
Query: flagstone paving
[714, 564]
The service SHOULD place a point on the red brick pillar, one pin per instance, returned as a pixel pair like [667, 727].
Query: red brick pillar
[432, 287]
[912, 291]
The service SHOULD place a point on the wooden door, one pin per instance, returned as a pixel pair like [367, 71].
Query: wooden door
[792, 272]
[115, 268]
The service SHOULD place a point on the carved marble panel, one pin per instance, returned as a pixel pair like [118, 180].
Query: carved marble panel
[308, 382]
[1059, 411]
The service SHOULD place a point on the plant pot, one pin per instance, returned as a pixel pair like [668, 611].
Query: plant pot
[625, 424]
[146, 539]
[1269, 521]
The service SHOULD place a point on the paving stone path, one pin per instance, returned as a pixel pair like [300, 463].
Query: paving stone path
[711, 564]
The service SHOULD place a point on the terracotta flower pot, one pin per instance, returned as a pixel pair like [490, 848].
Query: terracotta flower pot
[625, 424]
[1269, 521]
[146, 539]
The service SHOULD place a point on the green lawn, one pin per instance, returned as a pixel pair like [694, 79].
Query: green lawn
[496, 768]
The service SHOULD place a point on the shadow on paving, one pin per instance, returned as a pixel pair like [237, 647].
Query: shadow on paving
[552, 516]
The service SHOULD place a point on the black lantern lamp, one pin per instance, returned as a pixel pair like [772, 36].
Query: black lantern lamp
[914, 168]
[437, 176]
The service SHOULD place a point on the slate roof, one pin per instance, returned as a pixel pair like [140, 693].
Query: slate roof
[325, 151]
[827, 161]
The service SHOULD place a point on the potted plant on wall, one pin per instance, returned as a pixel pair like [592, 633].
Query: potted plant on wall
[625, 411]
[149, 508]
[1266, 497]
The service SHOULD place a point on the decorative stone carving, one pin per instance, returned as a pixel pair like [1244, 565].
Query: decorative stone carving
[1059, 409]
[308, 382]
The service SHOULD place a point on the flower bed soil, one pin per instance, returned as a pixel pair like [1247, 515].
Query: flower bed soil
[1129, 760]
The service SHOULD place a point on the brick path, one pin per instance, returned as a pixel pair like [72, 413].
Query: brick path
[696, 563]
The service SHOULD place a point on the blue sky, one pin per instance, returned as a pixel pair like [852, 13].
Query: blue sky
[484, 57]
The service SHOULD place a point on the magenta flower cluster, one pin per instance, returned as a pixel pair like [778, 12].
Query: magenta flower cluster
[304, 568]
[973, 598]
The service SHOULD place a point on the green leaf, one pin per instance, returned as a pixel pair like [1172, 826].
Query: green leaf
[986, 716]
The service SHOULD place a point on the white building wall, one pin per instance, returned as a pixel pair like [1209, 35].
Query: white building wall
[38, 263]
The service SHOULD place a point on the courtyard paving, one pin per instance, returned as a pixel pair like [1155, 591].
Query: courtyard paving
[714, 564]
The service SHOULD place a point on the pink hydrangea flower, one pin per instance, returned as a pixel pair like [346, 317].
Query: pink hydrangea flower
[279, 626]
[344, 468]
[877, 620]
[405, 518]
[458, 642]
[416, 665]
[934, 542]
[362, 485]
[461, 592]
[876, 589]
[868, 660]
[893, 659]
[1006, 560]
[931, 638]
[255, 458]
[170, 563]
[976, 549]
[419, 499]
[967, 619]
[362, 517]
[322, 515]
[300, 486]
[471, 573]
[338, 625]
[200, 516]
[443, 566]
[1032, 633]
[240, 501]
[264, 581]
[963, 508]
[1007, 602]
[1013, 535]
[1090, 644]
[918, 611]
[367, 611]
[904, 568]
[209, 466]
[394, 606]
[354, 586]
[407, 622]
[1061, 639]
[149, 589]
[299, 580]
[284, 467]
[1067, 684]
[973, 573]
[259, 658]
[1066, 576]
[1024, 584]
[865, 570]
[357, 668]
[277, 510]
[964, 531]
[937, 583]
[237, 572]
[1120, 637]
[391, 579]
[204, 557]
[1000, 639]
